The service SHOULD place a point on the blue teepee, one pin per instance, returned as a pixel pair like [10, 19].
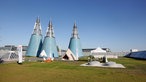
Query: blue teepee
[35, 43]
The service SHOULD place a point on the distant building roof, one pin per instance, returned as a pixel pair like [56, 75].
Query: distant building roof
[88, 49]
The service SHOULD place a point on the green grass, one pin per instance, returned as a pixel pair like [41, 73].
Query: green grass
[60, 71]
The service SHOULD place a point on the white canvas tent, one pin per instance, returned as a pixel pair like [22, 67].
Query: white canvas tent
[69, 55]
[98, 50]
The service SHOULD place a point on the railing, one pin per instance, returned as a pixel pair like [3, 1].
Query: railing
[107, 53]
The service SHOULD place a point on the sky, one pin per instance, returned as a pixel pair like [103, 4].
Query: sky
[116, 24]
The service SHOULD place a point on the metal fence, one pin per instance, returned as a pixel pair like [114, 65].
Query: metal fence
[8, 55]
[107, 53]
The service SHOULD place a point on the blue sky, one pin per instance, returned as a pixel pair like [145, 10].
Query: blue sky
[116, 24]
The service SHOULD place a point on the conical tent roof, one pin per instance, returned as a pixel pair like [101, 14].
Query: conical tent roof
[75, 31]
[50, 31]
[37, 27]
[35, 43]
[49, 43]
[75, 44]
[98, 50]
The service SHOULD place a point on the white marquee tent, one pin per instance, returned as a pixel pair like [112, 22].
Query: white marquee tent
[98, 50]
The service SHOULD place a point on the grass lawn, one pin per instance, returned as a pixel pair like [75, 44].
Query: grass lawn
[61, 71]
